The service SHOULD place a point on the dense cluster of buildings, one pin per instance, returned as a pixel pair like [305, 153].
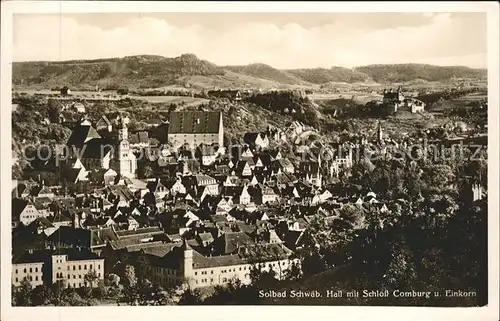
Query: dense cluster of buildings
[205, 214]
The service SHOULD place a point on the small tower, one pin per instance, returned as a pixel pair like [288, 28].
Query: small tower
[76, 221]
[187, 259]
[123, 153]
[380, 134]
[185, 167]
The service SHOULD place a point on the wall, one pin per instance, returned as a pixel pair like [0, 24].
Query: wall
[223, 274]
[29, 214]
[194, 140]
[32, 271]
[74, 271]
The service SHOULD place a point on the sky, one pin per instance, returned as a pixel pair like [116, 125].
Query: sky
[281, 40]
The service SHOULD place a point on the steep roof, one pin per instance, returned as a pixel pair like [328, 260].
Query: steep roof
[81, 135]
[194, 122]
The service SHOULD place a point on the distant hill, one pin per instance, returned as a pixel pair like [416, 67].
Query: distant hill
[334, 74]
[267, 72]
[409, 72]
[148, 71]
[132, 71]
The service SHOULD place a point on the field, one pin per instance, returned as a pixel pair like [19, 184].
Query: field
[188, 101]
[111, 95]
[360, 98]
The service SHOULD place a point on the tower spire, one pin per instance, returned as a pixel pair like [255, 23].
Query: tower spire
[380, 133]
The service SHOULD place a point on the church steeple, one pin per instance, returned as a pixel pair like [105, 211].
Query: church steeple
[124, 158]
[380, 134]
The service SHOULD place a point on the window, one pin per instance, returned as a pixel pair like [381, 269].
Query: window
[69, 276]
[36, 269]
[79, 267]
[195, 273]
[17, 280]
[212, 272]
[36, 278]
[69, 267]
[74, 276]
[79, 284]
[85, 267]
[16, 271]
[98, 266]
[79, 276]
[24, 270]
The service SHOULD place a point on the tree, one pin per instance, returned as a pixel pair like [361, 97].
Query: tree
[129, 277]
[57, 289]
[160, 296]
[90, 278]
[23, 293]
[41, 295]
[101, 291]
[112, 280]
[190, 297]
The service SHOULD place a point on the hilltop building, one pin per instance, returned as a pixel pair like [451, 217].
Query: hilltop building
[393, 99]
[192, 128]
[414, 105]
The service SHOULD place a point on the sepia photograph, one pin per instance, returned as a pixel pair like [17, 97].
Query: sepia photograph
[250, 158]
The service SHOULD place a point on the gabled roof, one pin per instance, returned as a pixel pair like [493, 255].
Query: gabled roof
[229, 243]
[81, 135]
[18, 206]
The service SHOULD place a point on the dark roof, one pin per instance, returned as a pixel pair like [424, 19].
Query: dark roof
[82, 134]
[139, 138]
[229, 243]
[45, 255]
[70, 174]
[249, 255]
[59, 218]
[192, 122]
[93, 149]
[38, 256]
[250, 138]
[104, 119]
[18, 206]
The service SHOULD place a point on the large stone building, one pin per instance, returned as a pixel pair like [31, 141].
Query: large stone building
[172, 264]
[49, 266]
[393, 99]
[192, 128]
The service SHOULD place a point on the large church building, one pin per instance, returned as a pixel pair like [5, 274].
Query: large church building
[88, 150]
[192, 128]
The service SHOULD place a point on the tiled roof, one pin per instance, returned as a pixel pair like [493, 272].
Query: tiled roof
[82, 134]
[250, 255]
[192, 122]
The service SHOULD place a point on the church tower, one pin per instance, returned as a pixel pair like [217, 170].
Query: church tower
[380, 134]
[123, 154]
